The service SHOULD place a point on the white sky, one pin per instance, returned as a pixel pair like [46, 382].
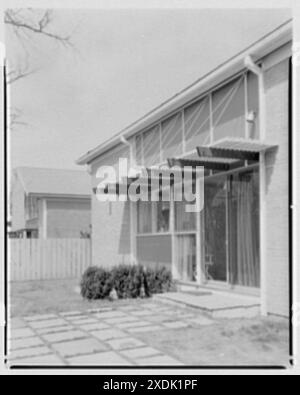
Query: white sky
[125, 63]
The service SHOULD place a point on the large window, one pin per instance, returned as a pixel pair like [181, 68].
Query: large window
[232, 110]
[228, 107]
[184, 221]
[171, 131]
[253, 105]
[151, 144]
[153, 217]
[197, 124]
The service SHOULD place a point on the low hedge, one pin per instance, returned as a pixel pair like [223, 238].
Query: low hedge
[96, 283]
[157, 280]
[129, 281]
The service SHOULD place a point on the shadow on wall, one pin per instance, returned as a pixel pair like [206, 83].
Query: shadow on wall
[271, 159]
[124, 241]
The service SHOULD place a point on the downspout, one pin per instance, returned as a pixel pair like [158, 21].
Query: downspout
[249, 63]
[132, 205]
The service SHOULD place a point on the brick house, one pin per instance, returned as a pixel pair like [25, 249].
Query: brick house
[234, 121]
[50, 203]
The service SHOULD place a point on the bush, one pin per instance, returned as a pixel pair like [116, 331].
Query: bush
[157, 280]
[128, 281]
[96, 283]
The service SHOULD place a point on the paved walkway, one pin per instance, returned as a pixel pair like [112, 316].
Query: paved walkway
[103, 337]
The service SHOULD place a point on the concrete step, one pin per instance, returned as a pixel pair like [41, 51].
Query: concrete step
[215, 304]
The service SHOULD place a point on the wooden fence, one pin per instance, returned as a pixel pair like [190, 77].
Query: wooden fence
[38, 259]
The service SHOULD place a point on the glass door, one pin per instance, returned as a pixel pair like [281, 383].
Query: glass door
[215, 229]
[230, 229]
[244, 229]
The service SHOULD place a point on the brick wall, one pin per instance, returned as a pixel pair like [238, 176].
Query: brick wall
[110, 220]
[276, 90]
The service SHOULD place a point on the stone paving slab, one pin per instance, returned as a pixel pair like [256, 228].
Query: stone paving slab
[201, 321]
[159, 360]
[20, 333]
[76, 317]
[54, 329]
[107, 334]
[120, 320]
[127, 325]
[44, 360]
[84, 321]
[125, 343]
[141, 352]
[148, 328]
[47, 323]
[77, 347]
[29, 352]
[110, 314]
[70, 313]
[109, 358]
[141, 313]
[93, 327]
[40, 317]
[158, 318]
[175, 324]
[62, 336]
[26, 342]
[100, 310]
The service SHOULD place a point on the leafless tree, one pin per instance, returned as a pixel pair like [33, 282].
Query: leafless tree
[26, 24]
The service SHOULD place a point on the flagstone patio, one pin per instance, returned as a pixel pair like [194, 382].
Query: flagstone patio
[100, 337]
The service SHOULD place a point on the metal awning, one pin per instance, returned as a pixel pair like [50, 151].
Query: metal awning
[246, 145]
[224, 155]
[207, 162]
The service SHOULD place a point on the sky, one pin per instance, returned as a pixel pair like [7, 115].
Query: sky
[122, 64]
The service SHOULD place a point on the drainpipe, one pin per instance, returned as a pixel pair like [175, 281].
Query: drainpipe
[133, 207]
[249, 63]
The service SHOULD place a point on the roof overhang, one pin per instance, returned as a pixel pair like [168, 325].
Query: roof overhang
[225, 155]
[57, 196]
[267, 44]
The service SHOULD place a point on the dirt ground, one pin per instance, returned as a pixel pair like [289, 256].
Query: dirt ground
[256, 341]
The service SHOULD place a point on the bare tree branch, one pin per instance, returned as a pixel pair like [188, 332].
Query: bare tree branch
[20, 22]
[15, 75]
[14, 119]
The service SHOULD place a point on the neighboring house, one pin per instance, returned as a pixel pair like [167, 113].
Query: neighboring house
[50, 203]
[238, 117]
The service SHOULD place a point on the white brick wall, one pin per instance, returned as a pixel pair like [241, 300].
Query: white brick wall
[276, 89]
[110, 221]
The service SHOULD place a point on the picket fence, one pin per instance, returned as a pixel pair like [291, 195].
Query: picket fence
[38, 259]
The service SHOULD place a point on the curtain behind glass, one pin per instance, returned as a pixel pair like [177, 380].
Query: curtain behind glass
[186, 257]
[245, 267]
[144, 217]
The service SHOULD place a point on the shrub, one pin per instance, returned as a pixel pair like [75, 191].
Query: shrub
[96, 283]
[128, 281]
[157, 280]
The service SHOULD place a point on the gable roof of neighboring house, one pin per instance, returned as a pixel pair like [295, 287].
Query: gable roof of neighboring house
[44, 181]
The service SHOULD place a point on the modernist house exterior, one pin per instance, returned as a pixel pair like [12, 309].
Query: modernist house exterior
[234, 121]
[50, 203]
